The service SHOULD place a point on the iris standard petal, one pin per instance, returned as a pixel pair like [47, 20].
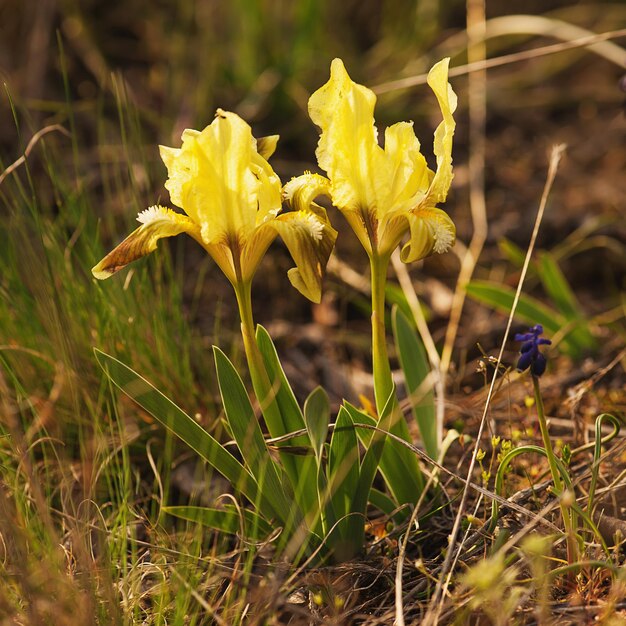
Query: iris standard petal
[266, 146]
[180, 169]
[223, 194]
[410, 176]
[269, 194]
[348, 150]
[438, 82]
[220, 179]
[157, 222]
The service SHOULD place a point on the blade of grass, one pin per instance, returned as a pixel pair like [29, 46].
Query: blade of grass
[343, 464]
[227, 520]
[317, 418]
[528, 309]
[343, 479]
[557, 287]
[391, 463]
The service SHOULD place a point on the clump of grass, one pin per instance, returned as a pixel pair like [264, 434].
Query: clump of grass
[80, 530]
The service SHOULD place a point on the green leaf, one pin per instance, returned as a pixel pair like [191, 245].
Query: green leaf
[343, 464]
[227, 520]
[325, 509]
[247, 433]
[289, 408]
[182, 425]
[347, 537]
[375, 445]
[397, 464]
[416, 368]
[384, 503]
[301, 469]
[317, 419]
[394, 295]
[558, 289]
[512, 252]
[528, 309]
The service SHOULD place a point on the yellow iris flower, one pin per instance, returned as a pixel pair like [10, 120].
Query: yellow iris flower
[382, 192]
[232, 199]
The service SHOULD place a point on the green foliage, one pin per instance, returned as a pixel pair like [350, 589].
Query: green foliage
[331, 523]
[564, 318]
[416, 369]
[181, 424]
[300, 467]
[229, 519]
[317, 418]
[245, 427]
[342, 476]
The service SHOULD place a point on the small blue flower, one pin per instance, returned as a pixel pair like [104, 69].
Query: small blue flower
[530, 355]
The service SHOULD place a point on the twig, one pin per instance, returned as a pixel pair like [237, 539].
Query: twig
[477, 100]
[31, 144]
[462, 70]
[436, 603]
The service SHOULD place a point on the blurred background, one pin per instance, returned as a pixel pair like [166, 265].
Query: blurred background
[91, 87]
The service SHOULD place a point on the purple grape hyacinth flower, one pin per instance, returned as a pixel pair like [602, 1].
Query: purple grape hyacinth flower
[530, 355]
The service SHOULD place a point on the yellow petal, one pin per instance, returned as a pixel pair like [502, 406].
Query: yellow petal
[255, 248]
[179, 166]
[438, 81]
[269, 199]
[300, 192]
[431, 231]
[157, 222]
[310, 238]
[410, 176]
[220, 179]
[348, 150]
[266, 146]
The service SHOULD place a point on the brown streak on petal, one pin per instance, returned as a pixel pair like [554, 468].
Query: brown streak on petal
[128, 251]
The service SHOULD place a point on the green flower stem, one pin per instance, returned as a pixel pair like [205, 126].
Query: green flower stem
[543, 425]
[383, 382]
[397, 464]
[261, 383]
[260, 380]
[568, 515]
